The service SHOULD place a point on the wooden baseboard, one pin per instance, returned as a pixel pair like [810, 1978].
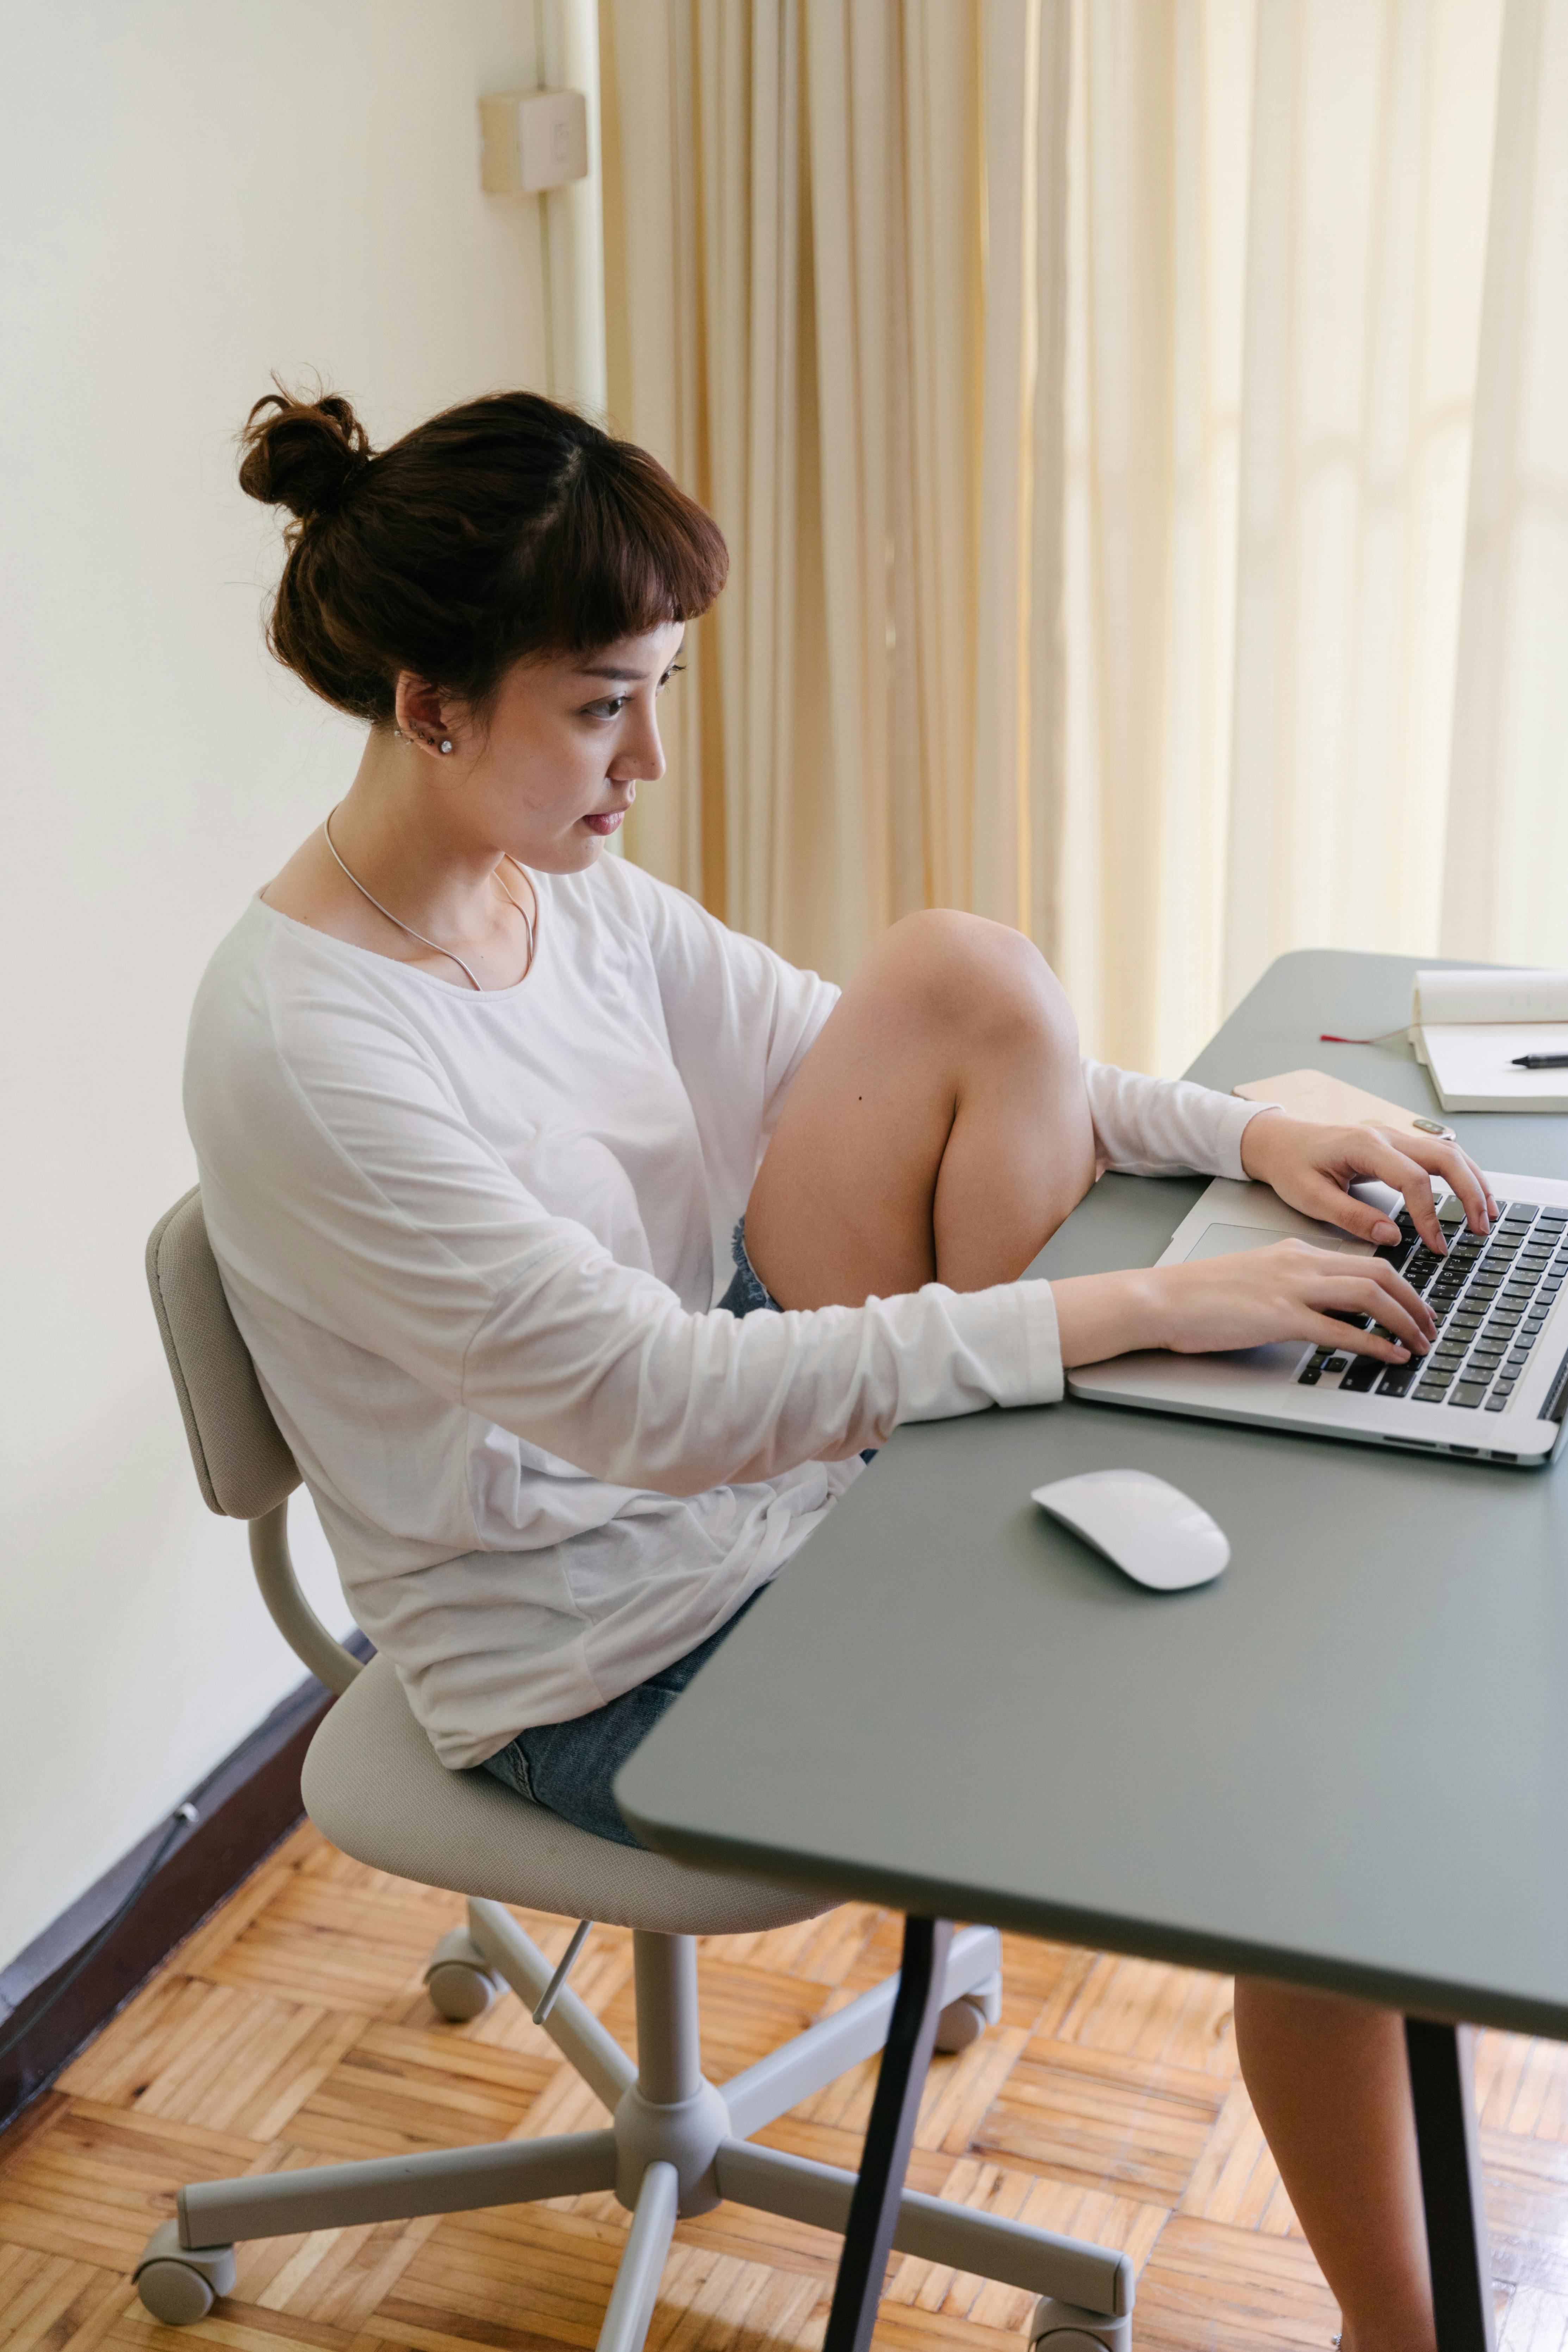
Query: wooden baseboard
[244, 1807]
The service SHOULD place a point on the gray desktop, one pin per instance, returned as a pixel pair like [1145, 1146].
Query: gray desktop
[1344, 1764]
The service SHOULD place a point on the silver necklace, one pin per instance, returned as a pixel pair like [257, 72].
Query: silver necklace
[435, 945]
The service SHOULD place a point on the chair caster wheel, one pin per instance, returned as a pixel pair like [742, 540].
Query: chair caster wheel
[1065, 2327]
[459, 1980]
[175, 2293]
[963, 2020]
[179, 2284]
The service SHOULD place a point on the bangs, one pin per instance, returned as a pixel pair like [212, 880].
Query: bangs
[501, 530]
[622, 551]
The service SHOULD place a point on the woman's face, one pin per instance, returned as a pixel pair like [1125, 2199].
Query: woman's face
[569, 740]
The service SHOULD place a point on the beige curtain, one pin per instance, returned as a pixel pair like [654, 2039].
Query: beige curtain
[1090, 390]
[1503, 894]
[834, 245]
[1279, 214]
[1160, 117]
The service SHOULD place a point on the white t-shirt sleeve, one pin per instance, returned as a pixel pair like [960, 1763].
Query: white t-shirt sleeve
[1164, 1127]
[371, 1204]
[740, 1019]
[604, 1367]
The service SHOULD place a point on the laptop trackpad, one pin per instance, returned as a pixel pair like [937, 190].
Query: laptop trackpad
[1225, 1241]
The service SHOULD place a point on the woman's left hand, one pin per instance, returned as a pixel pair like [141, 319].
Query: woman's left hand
[1313, 1166]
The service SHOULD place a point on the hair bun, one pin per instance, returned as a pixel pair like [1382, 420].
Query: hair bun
[303, 453]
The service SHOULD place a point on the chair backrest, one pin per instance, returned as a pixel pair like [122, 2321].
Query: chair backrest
[243, 1465]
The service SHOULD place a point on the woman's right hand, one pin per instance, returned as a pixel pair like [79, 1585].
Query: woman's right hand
[1290, 1290]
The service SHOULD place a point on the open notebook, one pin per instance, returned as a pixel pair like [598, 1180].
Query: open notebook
[1467, 1027]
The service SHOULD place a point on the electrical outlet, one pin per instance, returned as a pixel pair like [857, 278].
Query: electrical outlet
[534, 139]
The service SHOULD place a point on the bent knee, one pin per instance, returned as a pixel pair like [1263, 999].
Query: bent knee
[984, 977]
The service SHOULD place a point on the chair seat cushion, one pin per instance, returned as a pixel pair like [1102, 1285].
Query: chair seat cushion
[375, 1786]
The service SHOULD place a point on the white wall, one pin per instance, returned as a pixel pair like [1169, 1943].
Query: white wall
[192, 194]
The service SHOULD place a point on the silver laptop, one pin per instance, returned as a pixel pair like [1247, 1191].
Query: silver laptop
[1494, 1385]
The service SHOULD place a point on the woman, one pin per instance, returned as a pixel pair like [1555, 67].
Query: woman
[480, 1114]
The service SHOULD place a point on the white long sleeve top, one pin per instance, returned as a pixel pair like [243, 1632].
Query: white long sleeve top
[474, 1244]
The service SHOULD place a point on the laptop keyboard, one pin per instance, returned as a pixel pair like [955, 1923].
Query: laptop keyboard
[1491, 1296]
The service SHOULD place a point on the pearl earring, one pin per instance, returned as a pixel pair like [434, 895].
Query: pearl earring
[446, 747]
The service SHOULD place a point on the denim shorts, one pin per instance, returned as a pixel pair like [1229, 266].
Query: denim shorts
[570, 1768]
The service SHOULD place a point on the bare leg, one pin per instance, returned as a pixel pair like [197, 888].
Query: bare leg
[938, 1130]
[1330, 2085]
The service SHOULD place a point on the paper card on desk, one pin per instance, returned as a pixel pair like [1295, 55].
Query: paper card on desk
[1312, 1094]
[1472, 1026]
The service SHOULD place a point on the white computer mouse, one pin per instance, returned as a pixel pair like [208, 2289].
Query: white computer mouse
[1153, 1532]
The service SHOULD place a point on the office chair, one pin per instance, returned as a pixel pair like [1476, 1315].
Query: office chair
[677, 2145]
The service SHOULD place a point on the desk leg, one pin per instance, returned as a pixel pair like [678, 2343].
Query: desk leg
[874, 2208]
[1442, 2084]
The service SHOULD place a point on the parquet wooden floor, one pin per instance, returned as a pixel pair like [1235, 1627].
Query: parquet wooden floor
[293, 2029]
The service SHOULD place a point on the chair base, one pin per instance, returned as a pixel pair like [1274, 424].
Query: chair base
[678, 2145]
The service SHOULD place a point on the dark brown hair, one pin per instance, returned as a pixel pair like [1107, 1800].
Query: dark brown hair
[505, 528]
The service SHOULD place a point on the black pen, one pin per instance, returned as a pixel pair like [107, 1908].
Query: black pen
[1540, 1062]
